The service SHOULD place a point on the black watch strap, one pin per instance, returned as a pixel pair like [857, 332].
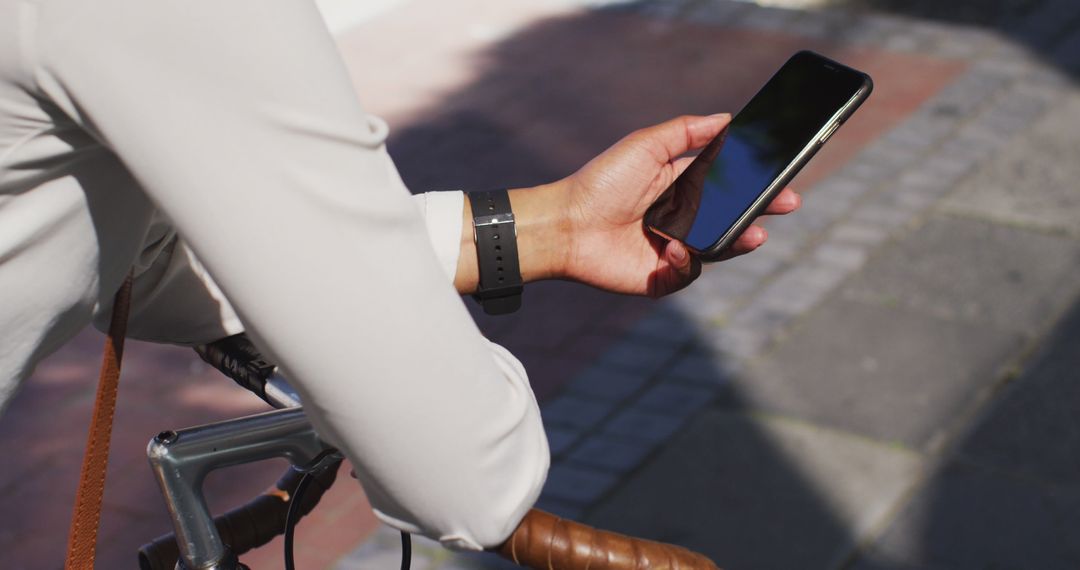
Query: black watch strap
[499, 291]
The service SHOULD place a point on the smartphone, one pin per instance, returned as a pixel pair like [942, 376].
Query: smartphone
[721, 193]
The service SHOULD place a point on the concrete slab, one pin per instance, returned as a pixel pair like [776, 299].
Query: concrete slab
[973, 518]
[973, 271]
[1033, 432]
[758, 492]
[881, 371]
[1031, 182]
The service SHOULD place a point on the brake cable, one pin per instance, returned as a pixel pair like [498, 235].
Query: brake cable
[292, 514]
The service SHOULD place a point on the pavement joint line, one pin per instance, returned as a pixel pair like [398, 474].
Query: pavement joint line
[968, 419]
[999, 78]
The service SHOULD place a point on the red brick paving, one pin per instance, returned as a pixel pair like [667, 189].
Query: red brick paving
[527, 109]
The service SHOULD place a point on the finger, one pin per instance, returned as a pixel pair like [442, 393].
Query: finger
[680, 165]
[683, 268]
[672, 138]
[751, 239]
[785, 202]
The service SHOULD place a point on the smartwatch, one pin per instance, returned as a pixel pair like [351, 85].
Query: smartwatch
[499, 290]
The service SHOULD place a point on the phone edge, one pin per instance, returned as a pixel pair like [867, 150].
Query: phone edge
[716, 251]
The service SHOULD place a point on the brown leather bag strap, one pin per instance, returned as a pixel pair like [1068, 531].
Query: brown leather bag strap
[82, 538]
[544, 541]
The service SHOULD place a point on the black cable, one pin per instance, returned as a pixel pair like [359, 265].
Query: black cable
[290, 519]
[406, 550]
[290, 528]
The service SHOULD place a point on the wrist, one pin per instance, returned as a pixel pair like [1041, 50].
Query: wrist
[543, 230]
[542, 234]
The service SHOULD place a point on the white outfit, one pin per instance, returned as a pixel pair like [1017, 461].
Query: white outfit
[235, 123]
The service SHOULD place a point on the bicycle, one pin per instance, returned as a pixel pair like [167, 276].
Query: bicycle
[181, 459]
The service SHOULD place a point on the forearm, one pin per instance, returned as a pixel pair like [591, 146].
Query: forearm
[543, 236]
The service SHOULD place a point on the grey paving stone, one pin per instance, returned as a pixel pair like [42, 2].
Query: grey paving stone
[702, 309]
[560, 439]
[761, 318]
[699, 368]
[839, 191]
[891, 157]
[768, 18]
[872, 29]
[846, 256]
[883, 213]
[859, 233]
[574, 412]
[467, 561]
[723, 281]
[815, 214]
[925, 128]
[725, 13]
[738, 343]
[952, 164]
[383, 550]
[1043, 26]
[638, 355]
[1032, 181]
[667, 324]
[1021, 103]
[603, 383]
[639, 425]
[878, 370]
[974, 271]
[967, 94]
[615, 455]
[577, 485]
[1067, 53]
[822, 24]
[753, 265]
[965, 43]
[674, 399]
[972, 518]
[1033, 432]
[798, 289]
[755, 492]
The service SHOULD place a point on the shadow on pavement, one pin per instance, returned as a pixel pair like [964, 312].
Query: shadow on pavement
[1045, 27]
[1009, 494]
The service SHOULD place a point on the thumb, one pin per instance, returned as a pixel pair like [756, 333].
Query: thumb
[682, 134]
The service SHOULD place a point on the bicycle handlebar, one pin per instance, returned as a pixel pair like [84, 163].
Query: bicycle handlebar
[541, 541]
[236, 357]
[251, 525]
[544, 541]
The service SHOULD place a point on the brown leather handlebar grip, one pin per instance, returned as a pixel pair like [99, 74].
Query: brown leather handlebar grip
[251, 525]
[546, 542]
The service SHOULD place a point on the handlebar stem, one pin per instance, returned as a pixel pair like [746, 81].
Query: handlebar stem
[181, 460]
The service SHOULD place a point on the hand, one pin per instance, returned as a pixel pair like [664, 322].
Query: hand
[609, 247]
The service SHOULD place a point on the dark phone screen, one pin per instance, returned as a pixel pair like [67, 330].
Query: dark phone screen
[767, 135]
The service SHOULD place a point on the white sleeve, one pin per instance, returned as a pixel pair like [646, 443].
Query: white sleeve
[240, 123]
[442, 215]
[175, 300]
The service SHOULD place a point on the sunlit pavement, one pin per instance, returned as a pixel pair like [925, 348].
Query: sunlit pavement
[884, 384]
